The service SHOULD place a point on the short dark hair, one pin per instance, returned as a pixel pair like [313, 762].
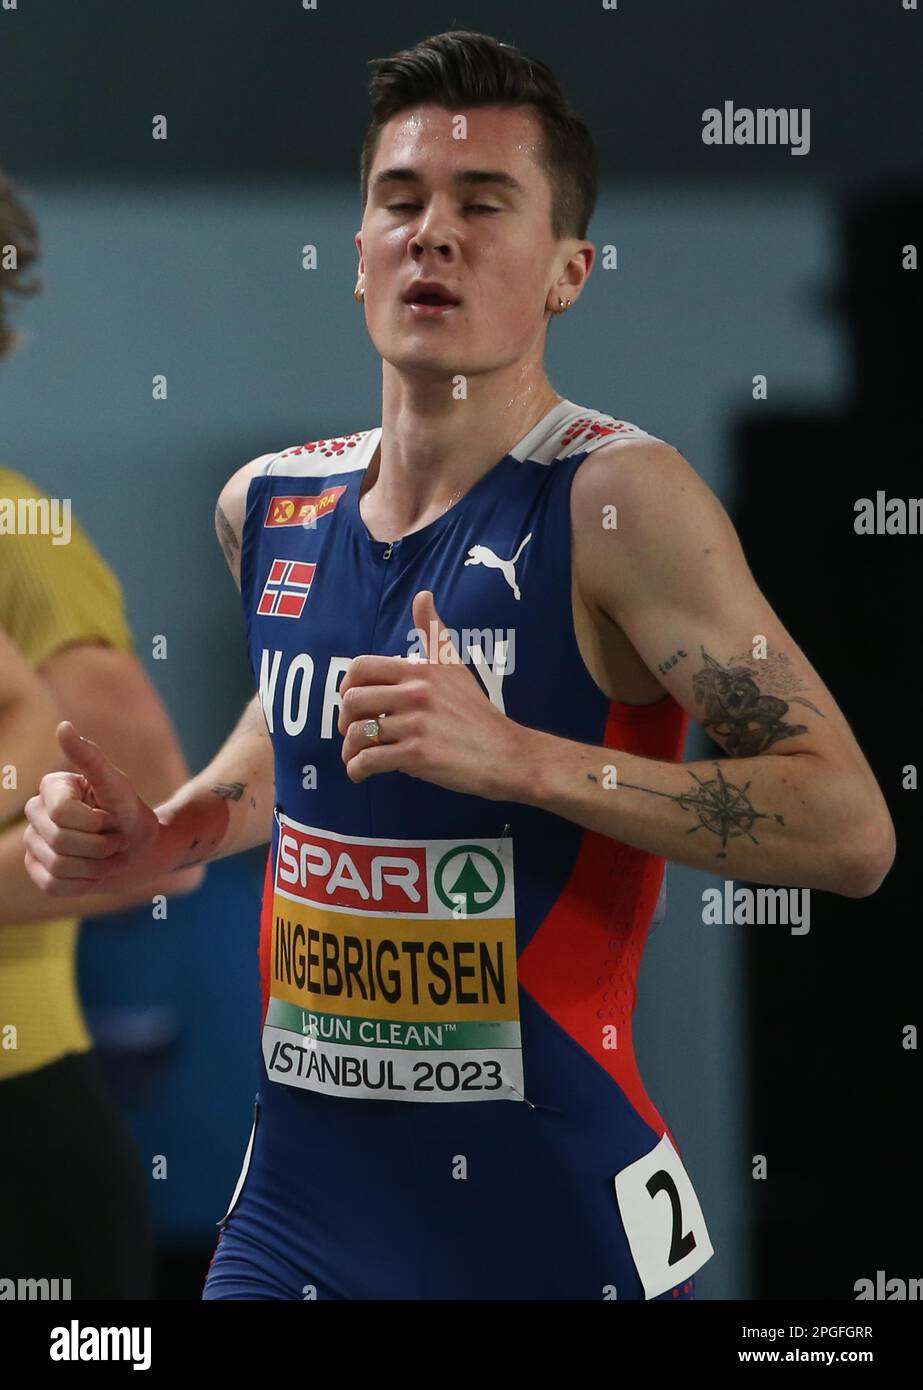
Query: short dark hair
[17, 228]
[465, 69]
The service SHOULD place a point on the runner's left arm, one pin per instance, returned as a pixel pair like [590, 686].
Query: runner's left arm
[795, 801]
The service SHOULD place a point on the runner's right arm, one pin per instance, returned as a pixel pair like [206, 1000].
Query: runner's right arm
[90, 831]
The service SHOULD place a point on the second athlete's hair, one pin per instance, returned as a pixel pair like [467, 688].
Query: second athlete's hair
[18, 229]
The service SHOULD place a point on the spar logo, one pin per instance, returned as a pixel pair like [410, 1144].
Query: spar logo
[319, 869]
[437, 879]
[469, 880]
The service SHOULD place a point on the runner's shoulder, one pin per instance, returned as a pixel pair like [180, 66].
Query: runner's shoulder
[232, 500]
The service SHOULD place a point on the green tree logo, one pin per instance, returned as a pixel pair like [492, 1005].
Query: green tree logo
[468, 884]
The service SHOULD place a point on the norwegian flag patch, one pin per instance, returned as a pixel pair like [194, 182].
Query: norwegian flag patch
[286, 589]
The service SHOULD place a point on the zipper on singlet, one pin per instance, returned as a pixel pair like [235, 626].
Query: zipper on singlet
[386, 554]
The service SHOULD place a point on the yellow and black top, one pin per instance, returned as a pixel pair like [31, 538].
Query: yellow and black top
[51, 596]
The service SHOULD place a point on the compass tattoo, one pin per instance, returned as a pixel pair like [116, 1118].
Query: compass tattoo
[720, 806]
[744, 720]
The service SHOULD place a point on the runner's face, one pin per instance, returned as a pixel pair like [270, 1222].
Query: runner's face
[488, 242]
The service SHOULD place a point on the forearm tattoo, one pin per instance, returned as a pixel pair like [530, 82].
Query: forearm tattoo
[738, 714]
[231, 791]
[200, 859]
[228, 791]
[720, 807]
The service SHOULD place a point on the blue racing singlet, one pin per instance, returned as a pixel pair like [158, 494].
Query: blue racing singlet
[449, 1103]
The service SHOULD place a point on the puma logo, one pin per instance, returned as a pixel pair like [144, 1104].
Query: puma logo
[483, 555]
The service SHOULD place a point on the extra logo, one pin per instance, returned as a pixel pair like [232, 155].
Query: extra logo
[302, 511]
[286, 590]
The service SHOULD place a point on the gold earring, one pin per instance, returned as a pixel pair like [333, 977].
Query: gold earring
[358, 295]
[562, 307]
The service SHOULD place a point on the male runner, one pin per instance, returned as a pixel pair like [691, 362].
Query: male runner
[478, 632]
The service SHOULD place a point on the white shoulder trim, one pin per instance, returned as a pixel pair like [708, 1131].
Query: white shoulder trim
[320, 458]
[567, 430]
[575, 429]
[587, 430]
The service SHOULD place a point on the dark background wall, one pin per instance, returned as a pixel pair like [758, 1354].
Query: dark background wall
[271, 89]
[184, 257]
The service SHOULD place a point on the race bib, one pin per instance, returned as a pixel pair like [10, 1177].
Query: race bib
[662, 1219]
[392, 969]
